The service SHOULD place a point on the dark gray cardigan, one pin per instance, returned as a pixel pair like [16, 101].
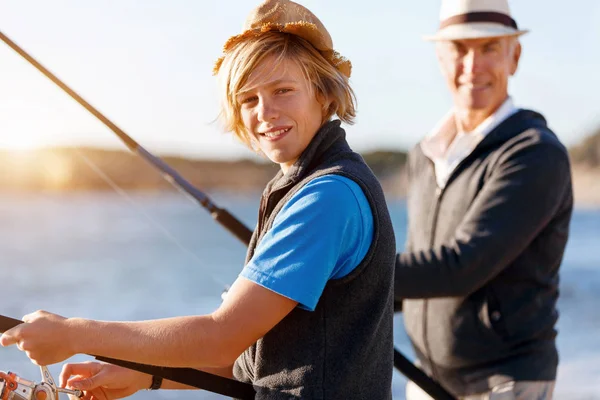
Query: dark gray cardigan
[479, 277]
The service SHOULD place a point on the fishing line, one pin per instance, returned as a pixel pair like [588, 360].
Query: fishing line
[136, 206]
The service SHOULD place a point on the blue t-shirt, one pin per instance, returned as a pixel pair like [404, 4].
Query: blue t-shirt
[323, 232]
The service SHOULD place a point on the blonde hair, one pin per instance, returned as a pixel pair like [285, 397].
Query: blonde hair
[324, 78]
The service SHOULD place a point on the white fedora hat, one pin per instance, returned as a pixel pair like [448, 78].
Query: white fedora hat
[473, 19]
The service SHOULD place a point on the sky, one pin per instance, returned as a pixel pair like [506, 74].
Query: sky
[147, 65]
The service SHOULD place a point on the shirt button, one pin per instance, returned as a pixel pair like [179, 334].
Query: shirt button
[496, 316]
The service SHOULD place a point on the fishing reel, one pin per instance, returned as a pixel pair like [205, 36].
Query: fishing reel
[13, 387]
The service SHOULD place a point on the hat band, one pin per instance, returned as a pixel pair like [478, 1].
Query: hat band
[481, 16]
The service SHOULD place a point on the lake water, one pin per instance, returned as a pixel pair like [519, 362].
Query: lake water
[104, 256]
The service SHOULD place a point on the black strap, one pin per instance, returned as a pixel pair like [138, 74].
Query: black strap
[192, 377]
[156, 382]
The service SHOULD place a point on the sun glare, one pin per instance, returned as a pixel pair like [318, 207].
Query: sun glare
[19, 143]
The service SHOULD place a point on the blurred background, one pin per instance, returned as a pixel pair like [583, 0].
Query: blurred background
[87, 229]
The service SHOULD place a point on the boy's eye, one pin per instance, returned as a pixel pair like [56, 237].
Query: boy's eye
[249, 99]
[283, 90]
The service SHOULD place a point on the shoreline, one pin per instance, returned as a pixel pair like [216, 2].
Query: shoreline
[586, 187]
[586, 190]
[62, 171]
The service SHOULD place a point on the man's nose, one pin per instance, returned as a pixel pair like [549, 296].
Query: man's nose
[472, 61]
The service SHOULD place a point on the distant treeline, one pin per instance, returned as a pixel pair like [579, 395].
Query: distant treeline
[89, 169]
[67, 168]
[97, 169]
[587, 153]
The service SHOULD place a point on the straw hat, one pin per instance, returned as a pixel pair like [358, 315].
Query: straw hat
[473, 19]
[289, 17]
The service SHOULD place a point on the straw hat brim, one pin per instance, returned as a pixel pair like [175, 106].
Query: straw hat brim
[474, 30]
[303, 29]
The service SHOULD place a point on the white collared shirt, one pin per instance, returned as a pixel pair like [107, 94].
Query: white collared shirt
[447, 147]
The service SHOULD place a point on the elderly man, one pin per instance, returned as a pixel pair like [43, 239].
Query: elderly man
[489, 208]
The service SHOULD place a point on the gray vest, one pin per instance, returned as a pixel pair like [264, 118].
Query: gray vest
[343, 349]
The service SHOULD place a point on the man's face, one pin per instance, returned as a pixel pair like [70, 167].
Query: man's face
[477, 71]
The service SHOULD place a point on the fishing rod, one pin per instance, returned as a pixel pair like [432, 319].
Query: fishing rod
[222, 216]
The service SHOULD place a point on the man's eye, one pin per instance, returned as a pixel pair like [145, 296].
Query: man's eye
[456, 50]
[490, 48]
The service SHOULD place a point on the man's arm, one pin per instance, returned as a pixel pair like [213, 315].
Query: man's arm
[520, 198]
